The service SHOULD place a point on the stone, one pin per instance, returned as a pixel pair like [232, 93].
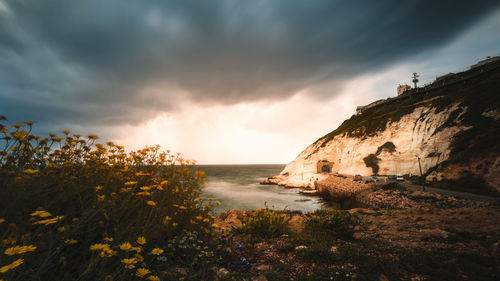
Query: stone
[362, 211]
[357, 235]
[334, 249]
[296, 224]
[495, 249]
[222, 273]
[181, 270]
[263, 267]
[382, 277]
[301, 247]
[433, 234]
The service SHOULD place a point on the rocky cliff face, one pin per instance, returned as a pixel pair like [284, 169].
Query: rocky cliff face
[454, 130]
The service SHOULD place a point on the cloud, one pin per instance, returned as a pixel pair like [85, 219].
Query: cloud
[124, 62]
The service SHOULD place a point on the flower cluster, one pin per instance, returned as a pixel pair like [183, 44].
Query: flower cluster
[139, 211]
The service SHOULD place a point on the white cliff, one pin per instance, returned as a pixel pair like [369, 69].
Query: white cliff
[414, 135]
[453, 127]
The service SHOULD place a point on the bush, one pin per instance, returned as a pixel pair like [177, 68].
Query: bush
[468, 183]
[338, 223]
[393, 186]
[371, 161]
[266, 224]
[73, 207]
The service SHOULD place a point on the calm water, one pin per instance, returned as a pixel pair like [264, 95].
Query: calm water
[237, 187]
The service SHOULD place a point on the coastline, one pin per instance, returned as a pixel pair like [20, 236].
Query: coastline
[405, 240]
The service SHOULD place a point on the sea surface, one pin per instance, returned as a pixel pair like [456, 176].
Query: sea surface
[237, 187]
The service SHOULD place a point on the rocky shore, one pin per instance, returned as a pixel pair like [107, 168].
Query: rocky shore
[415, 236]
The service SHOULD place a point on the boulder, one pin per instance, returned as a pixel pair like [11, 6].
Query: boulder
[296, 224]
[222, 273]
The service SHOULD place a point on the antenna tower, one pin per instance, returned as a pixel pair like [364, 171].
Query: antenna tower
[415, 80]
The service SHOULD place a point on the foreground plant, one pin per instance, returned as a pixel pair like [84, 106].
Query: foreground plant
[73, 208]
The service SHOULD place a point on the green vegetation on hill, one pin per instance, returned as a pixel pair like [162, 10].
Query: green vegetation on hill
[477, 95]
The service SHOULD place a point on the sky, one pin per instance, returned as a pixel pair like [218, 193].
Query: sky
[225, 82]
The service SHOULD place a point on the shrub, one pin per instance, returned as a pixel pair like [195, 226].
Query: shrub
[266, 224]
[371, 161]
[393, 186]
[73, 207]
[338, 223]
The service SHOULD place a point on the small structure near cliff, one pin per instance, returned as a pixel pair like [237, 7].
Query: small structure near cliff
[403, 88]
[324, 166]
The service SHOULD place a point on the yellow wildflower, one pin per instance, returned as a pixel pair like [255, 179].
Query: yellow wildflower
[93, 137]
[31, 171]
[107, 253]
[126, 246]
[18, 250]
[153, 278]
[182, 207]
[13, 148]
[144, 193]
[101, 198]
[137, 249]
[141, 240]
[151, 203]
[17, 126]
[42, 214]
[217, 202]
[199, 218]
[61, 229]
[142, 174]
[97, 188]
[141, 272]
[129, 263]
[163, 182]
[70, 241]
[157, 251]
[130, 183]
[206, 220]
[215, 225]
[99, 247]
[139, 258]
[125, 189]
[50, 221]
[166, 219]
[2, 220]
[109, 239]
[201, 198]
[13, 265]
[145, 188]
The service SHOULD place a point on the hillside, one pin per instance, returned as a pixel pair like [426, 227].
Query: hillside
[452, 125]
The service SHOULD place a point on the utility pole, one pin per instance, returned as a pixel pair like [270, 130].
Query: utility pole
[420, 167]
[415, 80]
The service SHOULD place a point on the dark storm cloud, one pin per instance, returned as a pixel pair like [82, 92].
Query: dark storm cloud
[111, 62]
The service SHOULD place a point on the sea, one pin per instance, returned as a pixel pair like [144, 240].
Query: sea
[238, 187]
